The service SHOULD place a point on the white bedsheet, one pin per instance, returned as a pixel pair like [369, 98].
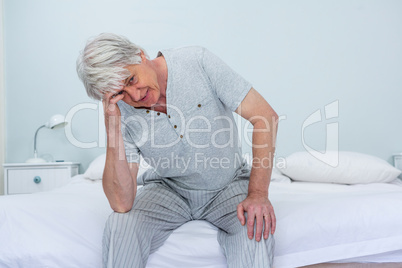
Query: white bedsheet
[329, 222]
[59, 228]
[315, 223]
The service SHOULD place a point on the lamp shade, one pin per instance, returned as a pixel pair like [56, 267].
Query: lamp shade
[56, 120]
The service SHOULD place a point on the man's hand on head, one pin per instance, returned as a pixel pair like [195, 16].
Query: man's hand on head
[112, 113]
[109, 102]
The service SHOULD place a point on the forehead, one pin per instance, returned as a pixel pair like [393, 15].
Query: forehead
[134, 67]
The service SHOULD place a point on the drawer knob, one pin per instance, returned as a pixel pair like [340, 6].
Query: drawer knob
[37, 179]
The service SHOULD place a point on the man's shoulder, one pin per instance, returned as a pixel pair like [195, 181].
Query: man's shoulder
[186, 49]
[186, 52]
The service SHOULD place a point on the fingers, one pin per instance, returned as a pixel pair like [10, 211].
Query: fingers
[259, 213]
[109, 101]
[270, 223]
[107, 96]
[250, 224]
[116, 97]
[267, 222]
[240, 214]
[112, 97]
[273, 222]
[259, 226]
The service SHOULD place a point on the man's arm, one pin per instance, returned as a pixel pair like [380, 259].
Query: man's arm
[119, 177]
[256, 109]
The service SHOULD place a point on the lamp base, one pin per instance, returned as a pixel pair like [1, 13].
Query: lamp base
[35, 160]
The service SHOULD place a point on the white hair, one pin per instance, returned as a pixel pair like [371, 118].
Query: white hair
[101, 65]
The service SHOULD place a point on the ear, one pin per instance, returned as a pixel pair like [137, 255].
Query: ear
[143, 57]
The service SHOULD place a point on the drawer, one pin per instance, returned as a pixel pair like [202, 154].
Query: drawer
[30, 180]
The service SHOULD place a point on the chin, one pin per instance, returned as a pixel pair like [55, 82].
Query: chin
[152, 101]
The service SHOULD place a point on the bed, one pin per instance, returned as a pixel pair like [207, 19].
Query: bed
[317, 222]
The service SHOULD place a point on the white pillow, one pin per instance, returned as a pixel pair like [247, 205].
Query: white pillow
[353, 168]
[277, 176]
[95, 169]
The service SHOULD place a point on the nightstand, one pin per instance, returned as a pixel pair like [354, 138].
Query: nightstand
[398, 162]
[23, 178]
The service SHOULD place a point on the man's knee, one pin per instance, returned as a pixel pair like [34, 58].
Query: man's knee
[119, 221]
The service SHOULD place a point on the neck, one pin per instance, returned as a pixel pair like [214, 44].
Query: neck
[162, 75]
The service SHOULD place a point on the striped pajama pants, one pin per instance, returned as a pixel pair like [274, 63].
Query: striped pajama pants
[159, 209]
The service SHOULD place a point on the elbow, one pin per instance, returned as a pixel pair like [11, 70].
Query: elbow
[267, 120]
[274, 116]
[120, 201]
[120, 208]
[119, 204]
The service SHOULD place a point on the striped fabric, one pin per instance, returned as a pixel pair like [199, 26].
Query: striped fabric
[158, 209]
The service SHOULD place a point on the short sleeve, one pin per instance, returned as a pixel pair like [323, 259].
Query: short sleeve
[132, 151]
[230, 87]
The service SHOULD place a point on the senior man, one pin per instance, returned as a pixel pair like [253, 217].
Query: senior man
[177, 112]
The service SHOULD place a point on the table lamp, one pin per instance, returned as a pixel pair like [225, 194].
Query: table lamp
[56, 121]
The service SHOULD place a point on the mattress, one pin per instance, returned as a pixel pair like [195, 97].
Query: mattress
[316, 223]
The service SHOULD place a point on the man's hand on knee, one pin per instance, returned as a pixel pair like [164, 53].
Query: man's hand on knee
[259, 212]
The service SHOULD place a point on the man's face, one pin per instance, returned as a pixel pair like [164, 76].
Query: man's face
[141, 87]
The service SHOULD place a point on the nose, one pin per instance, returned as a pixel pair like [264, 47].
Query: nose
[134, 93]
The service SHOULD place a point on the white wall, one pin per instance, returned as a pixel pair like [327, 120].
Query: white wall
[301, 55]
[2, 96]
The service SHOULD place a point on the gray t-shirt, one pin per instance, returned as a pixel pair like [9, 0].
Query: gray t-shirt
[195, 146]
